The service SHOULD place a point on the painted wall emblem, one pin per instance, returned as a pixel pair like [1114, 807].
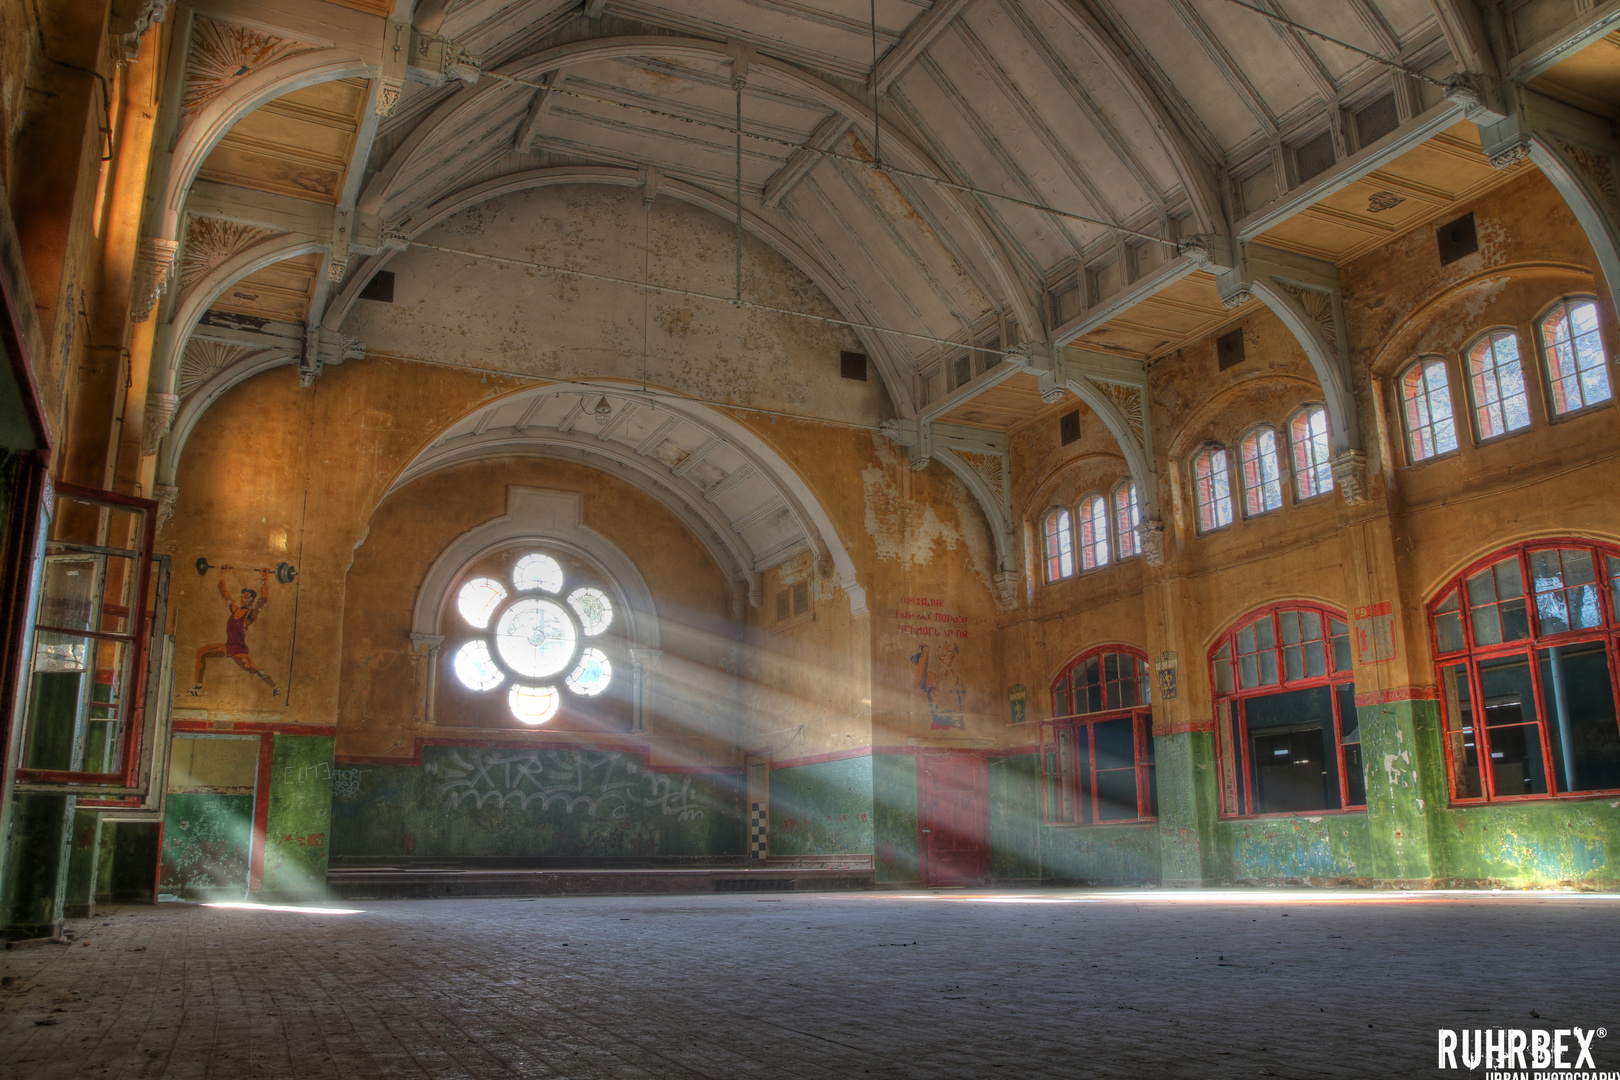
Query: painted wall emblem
[937, 678]
[1015, 702]
[1165, 666]
[243, 611]
[1374, 632]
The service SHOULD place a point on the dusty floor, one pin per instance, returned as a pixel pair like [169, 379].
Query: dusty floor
[833, 985]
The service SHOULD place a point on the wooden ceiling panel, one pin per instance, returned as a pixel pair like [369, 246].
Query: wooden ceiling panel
[282, 291]
[297, 145]
[1590, 79]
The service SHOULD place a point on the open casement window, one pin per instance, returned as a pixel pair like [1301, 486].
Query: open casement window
[1313, 452]
[1059, 546]
[1287, 734]
[535, 638]
[1093, 532]
[1213, 486]
[90, 685]
[1576, 365]
[1127, 518]
[1496, 380]
[1526, 651]
[1097, 754]
[1262, 472]
[1431, 429]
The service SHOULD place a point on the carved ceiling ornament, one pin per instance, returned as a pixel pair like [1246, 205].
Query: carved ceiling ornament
[993, 467]
[210, 242]
[202, 360]
[1597, 169]
[1317, 304]
[222, 54]
[1128, 400]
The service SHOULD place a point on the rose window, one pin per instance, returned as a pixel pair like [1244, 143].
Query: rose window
[535, 639]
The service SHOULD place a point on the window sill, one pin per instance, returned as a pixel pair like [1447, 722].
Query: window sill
[1099, 824]
[1573, 414]
[1293, 814]
[1519, 800]
[1418, 463]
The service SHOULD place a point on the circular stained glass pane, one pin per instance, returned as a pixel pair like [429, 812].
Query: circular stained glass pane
[594, 609]
[478, 600]
[476, 668]
[534, 704]
[537, 572]
[592, 675]
[536, 638]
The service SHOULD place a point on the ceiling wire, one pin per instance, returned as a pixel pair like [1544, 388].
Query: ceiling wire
[692, 294]
[877, 128]
[865, 163]
[1292, 25]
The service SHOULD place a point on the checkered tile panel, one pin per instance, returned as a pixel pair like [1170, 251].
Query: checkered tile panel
[758, 831]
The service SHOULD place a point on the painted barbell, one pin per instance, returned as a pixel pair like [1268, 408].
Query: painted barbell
[284, 572]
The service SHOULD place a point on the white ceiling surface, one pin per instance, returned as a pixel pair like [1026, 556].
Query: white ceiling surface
[1104, 108]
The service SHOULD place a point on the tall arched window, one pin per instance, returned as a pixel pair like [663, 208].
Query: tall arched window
[1313, 452]
[1127, 516]
[1526, 648]
[1577, 369]
[1262, 472]
[1287, 735]
[1426, 409]
[1059, 545]
[1496, 378]
[1214, 489]
[1097, 751]
[1093, 532]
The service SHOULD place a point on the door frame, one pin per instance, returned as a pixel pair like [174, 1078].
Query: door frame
[981, 784]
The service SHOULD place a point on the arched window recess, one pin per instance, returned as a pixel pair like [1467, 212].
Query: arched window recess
[1097, 751]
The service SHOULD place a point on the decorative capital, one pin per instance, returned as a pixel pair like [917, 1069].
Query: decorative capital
[388, 92]
[154, 269]
[1006, 587]
[336, 266]
[428, 643]
[1350, 476]
[1206, 251]
[157, 419]
[1506, 159]
[1150, 537]
[166, 494]
[1236, 298]
[152, 12]
[1479, 96]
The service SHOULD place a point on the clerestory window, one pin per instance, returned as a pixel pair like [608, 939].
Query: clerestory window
[1313, 452]
[1576, 365]
[1213, 487]
[1496, 380]
[1431, 429]
[1093, 532]
[1262, 472]
[1059, 545]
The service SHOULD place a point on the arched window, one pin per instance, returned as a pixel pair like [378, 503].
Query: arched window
[1262, 472]
[1426, 409]
[1577, 369]
[1059, 546]
[1525, 646]
[1127, 516]
[1287, 735]
[534, 633]
[1313, 453]
[1097, 752]
[1496, 378]
[1214, 489]
[1093, 532]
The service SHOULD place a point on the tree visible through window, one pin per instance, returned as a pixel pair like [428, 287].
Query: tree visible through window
[1097, 752]
[1496, 377]
[1093, 532]
[1426, 408]
[1313, 453]
[1262, 473]
[1577, 369]
[1059, 546]
[1214, 489]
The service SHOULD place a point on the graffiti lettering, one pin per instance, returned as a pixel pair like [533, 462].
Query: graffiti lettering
[601, 784]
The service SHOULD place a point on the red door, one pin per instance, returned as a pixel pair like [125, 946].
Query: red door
[953, 816]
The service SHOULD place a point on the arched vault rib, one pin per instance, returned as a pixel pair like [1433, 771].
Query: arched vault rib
[449, 116]
[891, 363]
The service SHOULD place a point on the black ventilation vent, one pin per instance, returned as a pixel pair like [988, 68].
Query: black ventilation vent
[1069, 427]
[1376, 119]
[1229, 349]
[1315, 156]
[1457, 238]
[852, 365]
[380, 287]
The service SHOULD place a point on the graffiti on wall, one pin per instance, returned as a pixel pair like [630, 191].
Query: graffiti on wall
[600, 784]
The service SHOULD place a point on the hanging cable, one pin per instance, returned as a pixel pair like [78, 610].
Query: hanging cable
[1292, 25]
[692, 294]
[877, 128]
[739, 189]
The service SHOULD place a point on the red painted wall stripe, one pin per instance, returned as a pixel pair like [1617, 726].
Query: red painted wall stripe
[253, 727]
[261, 811]
[1397, 695]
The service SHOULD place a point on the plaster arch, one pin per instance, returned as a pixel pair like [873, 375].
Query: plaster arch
[742, 500]
[448, 116]
[1207, 645]
[1042, 494]
[1431, 589]
[1194, 429]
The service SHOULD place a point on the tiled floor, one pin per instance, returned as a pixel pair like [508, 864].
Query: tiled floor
[832, 986]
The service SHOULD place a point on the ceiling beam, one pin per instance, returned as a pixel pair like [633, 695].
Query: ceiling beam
[918, 37]
[539, 106]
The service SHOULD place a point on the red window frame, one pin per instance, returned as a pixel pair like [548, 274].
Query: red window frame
[1425, 428]
[1213, 504]
[1554, 353]
[1093, 515]
[1453, 731]
[1485, 377]
[1312, 452]
[1232, 742]
[1071, 794]
[1261, 493]
[1059, 540]
[1127, 516]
